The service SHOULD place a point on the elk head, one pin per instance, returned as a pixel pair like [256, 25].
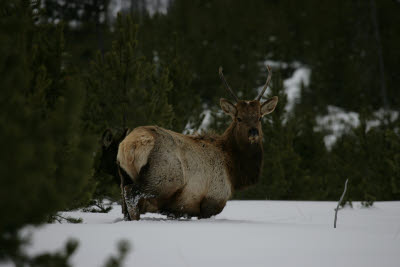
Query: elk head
[105, 161]
[247, 115]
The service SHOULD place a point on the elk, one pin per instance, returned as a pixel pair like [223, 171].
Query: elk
[190, 175]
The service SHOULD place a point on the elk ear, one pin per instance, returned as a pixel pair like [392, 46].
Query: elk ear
[107, 138]
[228, 107]
[269, 105]
[127, 131]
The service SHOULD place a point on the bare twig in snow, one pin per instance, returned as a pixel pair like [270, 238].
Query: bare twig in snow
[340, 201]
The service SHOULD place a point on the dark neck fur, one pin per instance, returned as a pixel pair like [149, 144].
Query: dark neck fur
[244, 164]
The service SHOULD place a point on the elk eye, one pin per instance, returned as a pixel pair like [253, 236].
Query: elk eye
[239, 119]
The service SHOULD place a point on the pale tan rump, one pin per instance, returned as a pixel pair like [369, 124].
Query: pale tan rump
[134, 151]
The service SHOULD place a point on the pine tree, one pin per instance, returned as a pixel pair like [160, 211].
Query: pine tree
[124, 90]
[46, 156]
[309, 145]
[87, 26]
[369, 158]
[183, 97]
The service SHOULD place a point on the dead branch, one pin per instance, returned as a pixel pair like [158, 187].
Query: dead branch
[340, 201]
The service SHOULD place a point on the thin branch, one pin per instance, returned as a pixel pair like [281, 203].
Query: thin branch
[340, 201]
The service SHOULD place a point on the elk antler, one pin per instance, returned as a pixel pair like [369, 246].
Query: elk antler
[221, 75]
[266, 83]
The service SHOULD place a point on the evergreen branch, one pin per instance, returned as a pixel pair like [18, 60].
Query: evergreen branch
[117, 260]
[101, 207]
[59, 218]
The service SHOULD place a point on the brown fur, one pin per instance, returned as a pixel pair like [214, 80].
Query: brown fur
[192, 175]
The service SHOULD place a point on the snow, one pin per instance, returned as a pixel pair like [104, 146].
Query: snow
[338, 121]
[246, 233]
[206, 120]
[152, 6]
[293, 85]
[282, 64]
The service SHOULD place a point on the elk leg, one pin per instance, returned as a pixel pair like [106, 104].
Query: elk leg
[123, 205]
[124, 182]
[133, 200]
[210, 207]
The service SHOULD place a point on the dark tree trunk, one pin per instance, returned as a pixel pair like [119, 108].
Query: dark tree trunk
[380, 54]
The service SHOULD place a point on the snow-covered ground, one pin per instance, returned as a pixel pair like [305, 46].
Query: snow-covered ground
[246, 233]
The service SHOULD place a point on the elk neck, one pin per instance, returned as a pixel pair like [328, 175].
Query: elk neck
[244, 163]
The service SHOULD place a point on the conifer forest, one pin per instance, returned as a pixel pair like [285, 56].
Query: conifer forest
[76, 74]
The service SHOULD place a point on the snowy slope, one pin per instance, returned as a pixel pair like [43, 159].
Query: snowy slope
[246, 233]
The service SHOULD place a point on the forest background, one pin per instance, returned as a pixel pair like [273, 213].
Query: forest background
[72, 69]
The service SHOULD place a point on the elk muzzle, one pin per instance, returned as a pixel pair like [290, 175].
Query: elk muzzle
[253, 135]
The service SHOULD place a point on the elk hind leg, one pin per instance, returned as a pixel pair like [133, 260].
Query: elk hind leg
[210, 207]
[125, 181]
[133, 201]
